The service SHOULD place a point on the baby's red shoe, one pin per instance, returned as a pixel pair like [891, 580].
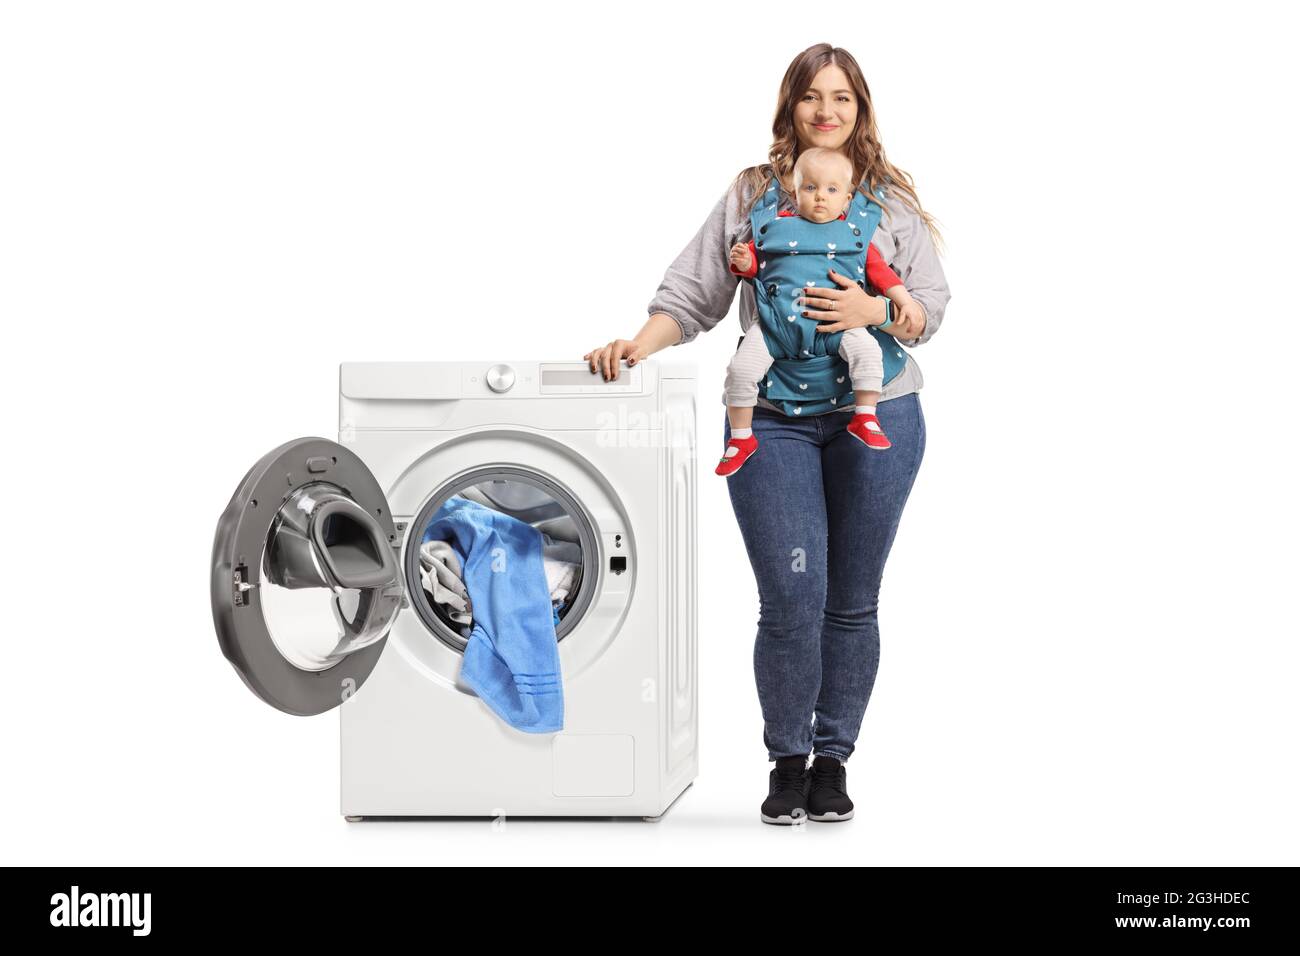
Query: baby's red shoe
[871, 437]
[729, 466]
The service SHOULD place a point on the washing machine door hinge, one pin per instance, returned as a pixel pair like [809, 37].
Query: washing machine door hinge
[242, 587]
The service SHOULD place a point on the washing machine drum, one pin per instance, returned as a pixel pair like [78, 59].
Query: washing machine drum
[305, 577]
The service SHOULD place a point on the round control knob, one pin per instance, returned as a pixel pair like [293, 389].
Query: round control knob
[500, 378]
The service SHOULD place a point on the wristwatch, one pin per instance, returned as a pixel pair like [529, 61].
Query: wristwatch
[889, 316]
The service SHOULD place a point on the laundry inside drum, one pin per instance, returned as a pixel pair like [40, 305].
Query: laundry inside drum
[540, 543]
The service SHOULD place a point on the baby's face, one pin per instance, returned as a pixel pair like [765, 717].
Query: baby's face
[824, 192]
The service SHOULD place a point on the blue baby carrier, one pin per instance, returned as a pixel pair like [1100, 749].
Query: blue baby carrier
[807, 373]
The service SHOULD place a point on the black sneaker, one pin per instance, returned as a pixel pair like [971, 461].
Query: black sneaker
[828, 798]
[787, 792]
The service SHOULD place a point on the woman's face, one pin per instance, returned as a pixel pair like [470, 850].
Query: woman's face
[826, 113]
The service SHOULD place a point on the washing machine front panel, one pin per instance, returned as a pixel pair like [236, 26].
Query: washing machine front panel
[305, 578]
[629, 697]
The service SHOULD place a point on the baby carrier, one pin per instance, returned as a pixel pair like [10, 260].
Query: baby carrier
[807, 373]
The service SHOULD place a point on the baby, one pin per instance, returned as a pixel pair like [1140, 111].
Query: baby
[824, 190]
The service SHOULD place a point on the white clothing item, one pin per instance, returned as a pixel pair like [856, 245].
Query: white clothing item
[443, 582]
[562, 561]
[559, 578]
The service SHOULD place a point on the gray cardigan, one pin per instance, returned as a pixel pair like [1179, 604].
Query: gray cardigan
[699, 287]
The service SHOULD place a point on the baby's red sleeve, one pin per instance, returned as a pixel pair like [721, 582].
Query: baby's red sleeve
[878, 273]
[753, 263]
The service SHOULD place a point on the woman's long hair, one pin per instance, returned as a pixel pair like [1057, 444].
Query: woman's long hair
[863, 146]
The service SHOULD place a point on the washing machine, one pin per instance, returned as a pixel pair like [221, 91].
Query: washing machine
[320, 602]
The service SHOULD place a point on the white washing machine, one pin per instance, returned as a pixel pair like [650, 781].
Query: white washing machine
[318, 599]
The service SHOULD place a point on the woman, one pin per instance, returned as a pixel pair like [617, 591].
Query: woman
[818, 567]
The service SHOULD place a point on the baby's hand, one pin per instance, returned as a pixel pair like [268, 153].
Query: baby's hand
[741, 260]
[911, 317]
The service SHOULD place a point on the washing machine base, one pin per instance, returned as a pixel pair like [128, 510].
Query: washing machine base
[499, 815]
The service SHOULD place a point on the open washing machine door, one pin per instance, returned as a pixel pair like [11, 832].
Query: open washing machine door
[305, 577]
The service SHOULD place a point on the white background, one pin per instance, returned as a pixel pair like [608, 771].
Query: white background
[1089, 642]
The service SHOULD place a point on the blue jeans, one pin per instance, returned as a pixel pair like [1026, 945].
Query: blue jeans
[818, 511]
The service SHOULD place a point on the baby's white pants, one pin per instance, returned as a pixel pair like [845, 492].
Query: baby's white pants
[858, 347]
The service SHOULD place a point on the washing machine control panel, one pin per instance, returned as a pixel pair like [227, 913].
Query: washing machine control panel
[577, 378]
[524, 379]
[360, 382]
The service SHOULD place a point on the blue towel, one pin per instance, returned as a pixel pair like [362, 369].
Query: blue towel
[512, 661]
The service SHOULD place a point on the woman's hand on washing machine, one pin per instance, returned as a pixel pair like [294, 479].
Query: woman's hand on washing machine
[844, 305]
[604, 360]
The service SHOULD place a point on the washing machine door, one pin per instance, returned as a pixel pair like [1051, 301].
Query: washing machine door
[305, 576]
